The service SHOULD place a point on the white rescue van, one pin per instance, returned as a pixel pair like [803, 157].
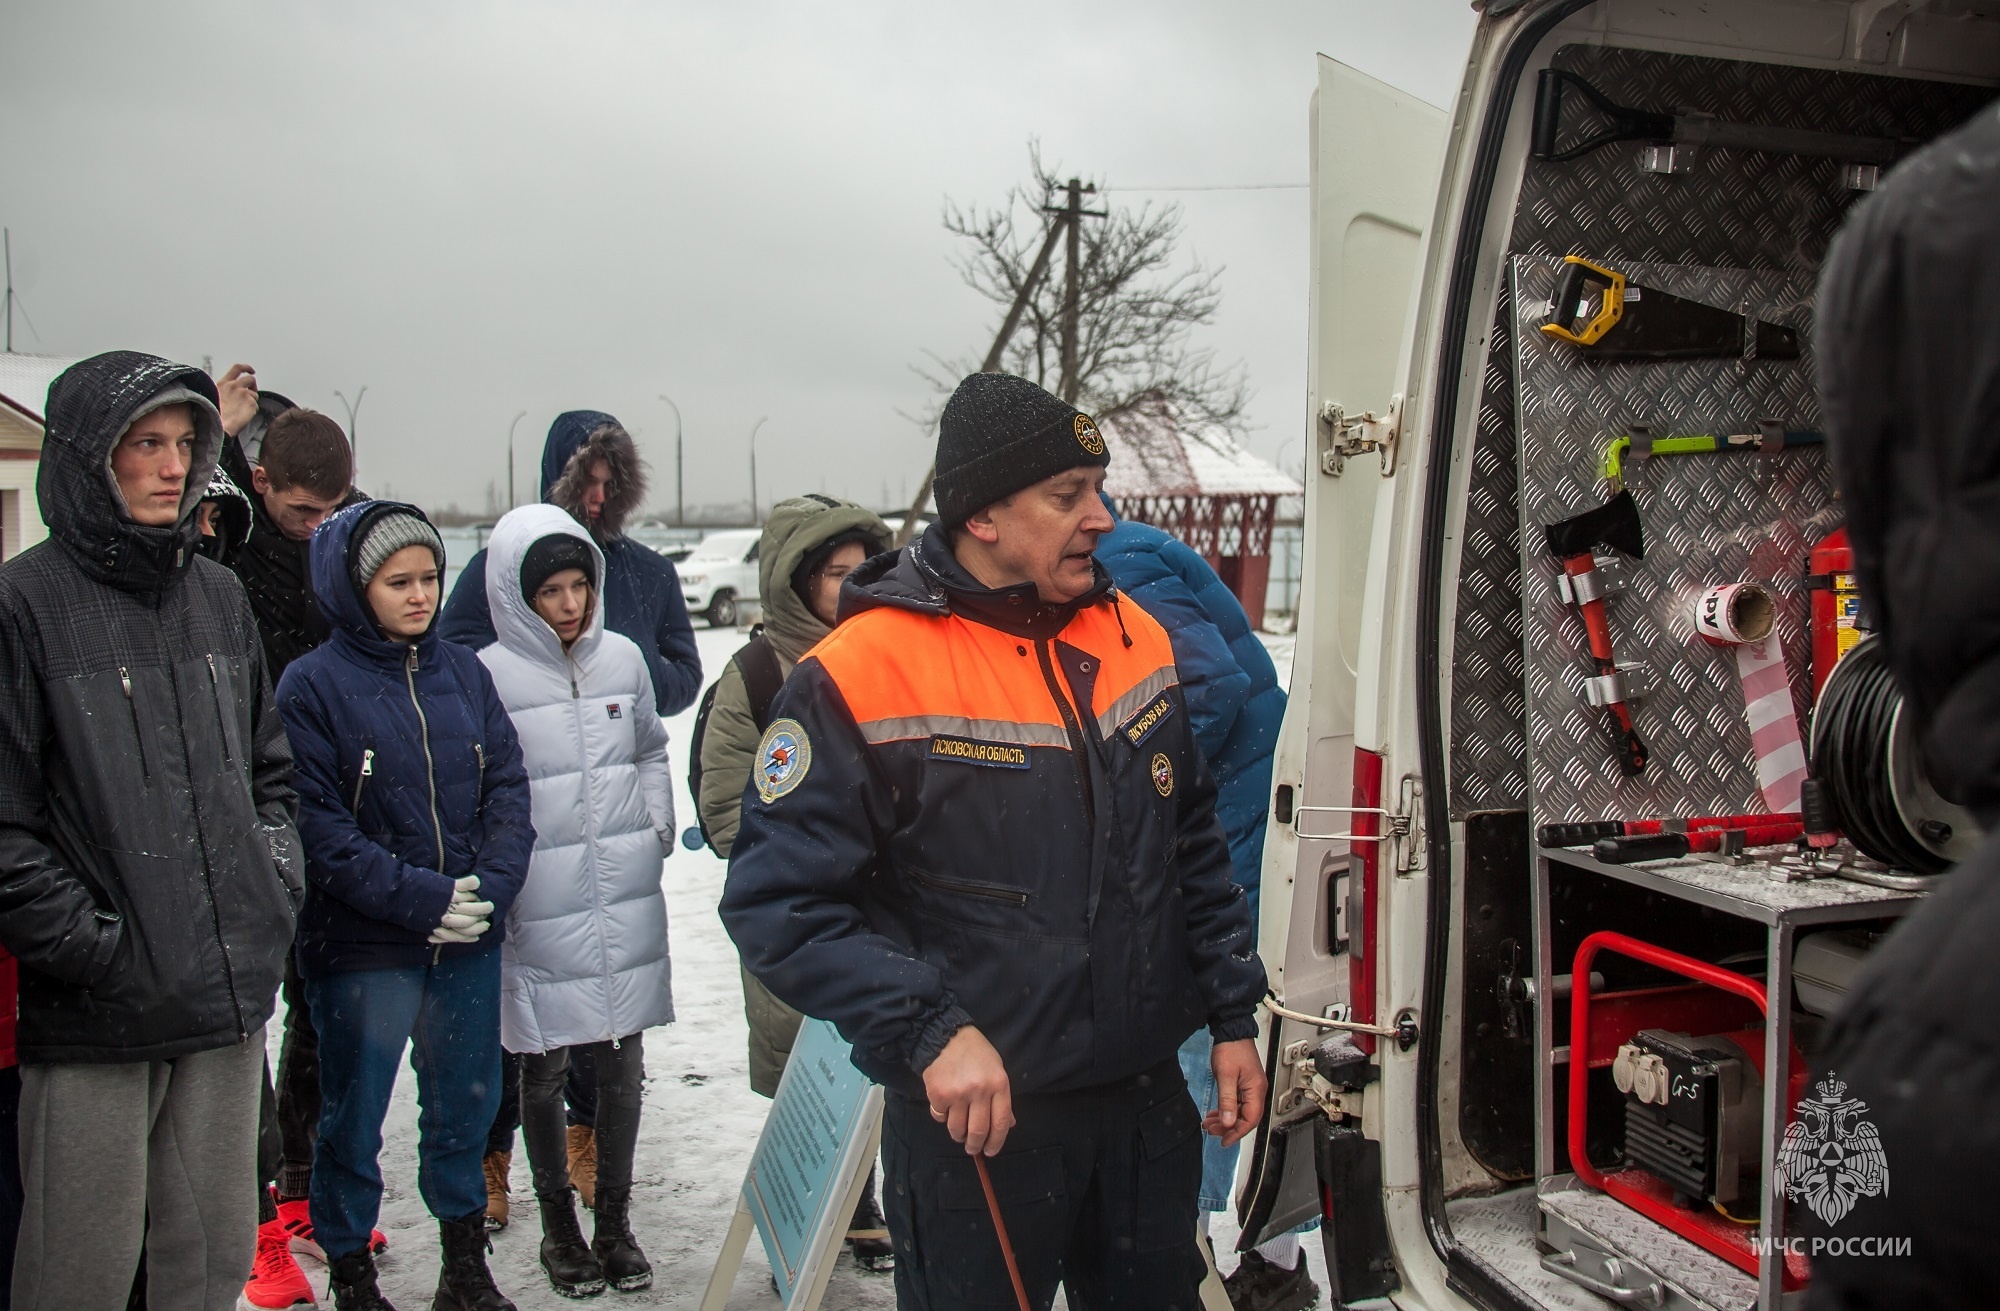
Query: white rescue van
[1473, 386]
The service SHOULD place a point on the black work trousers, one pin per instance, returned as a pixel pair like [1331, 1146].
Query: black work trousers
[289, 1113]
[621, 1071]
[1097, 1188]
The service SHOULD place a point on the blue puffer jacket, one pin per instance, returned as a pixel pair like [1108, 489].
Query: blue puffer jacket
[1227, 678]
[642, 591]
[408, 774]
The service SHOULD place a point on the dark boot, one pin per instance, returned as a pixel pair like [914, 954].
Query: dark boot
[625, 1266]
[868, 1233]
[464, 1284]
[566, 1258]
[352, 1285]
[1259, 1285]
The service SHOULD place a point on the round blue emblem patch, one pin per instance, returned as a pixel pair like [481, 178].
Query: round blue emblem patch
[783, 758]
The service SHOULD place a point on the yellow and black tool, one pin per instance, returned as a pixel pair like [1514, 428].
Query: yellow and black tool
[1609, 318]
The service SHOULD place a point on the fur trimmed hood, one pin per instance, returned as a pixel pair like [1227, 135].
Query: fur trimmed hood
[578, 439]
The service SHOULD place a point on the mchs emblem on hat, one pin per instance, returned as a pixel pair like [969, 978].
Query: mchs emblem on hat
[1088, 436]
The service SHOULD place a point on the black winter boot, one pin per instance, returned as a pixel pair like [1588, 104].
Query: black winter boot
[352, 1286]
[625, 1266]
[868, 1233]
[464, 1284]
[566, 1258]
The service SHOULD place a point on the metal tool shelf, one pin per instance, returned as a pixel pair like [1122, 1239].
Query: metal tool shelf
[1758, 891]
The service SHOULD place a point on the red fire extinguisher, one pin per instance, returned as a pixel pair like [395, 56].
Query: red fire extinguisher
[1835, 603]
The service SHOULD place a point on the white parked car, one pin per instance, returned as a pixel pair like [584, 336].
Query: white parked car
[721, 573]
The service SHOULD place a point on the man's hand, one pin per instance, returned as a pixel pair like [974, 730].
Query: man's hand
[970, 1094]
[1240, 1089]
[237, 390]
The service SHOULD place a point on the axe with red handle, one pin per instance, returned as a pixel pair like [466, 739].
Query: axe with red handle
[1574, 542]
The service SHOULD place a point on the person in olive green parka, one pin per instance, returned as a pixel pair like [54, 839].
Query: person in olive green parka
[810, 544]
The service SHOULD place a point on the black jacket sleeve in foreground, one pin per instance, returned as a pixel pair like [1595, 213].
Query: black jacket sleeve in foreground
[792, 901]
[1219, 932]
[48, 918]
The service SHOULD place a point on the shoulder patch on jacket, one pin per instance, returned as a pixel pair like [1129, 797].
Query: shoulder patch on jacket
[783, 758]
[1140, 726]
[971, 751]
[1163, 774]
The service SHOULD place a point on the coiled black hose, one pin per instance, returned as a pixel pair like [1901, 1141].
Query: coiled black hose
[1851, 732]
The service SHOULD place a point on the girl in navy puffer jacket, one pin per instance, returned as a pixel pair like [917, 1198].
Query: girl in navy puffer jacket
[414, 813]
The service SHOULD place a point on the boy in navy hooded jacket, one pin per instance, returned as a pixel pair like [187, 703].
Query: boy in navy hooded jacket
[414, 813]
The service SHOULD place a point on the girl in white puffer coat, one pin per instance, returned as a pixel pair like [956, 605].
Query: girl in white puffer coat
[585, 961]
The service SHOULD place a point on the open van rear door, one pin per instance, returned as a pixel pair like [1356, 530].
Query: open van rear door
[1376, 154]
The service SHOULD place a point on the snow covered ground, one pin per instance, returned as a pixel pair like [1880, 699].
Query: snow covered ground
[701, 1120]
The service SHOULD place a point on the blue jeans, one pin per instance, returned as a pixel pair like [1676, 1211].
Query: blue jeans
[449, 1015]
[1218, 1163]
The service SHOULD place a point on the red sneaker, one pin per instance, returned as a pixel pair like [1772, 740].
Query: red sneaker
[297, 1220]
[276, 1282]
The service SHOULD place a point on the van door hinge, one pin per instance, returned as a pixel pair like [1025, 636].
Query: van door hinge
[1406, 828]
[1343, 435]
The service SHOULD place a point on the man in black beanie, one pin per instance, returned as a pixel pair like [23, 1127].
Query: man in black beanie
[979, 839]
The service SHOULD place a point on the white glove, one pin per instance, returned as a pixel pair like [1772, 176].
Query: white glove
[467, 918]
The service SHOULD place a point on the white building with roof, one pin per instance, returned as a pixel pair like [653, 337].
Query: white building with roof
[1205, 489]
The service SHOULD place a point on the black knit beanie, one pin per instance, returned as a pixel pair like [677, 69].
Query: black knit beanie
[551, 555]
[1001, 433]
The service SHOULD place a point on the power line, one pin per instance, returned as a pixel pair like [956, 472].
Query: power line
[1248, 186]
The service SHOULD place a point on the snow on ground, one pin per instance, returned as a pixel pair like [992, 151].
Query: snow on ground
[700, 1125]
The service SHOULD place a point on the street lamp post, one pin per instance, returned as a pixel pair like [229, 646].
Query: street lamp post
[511, 502]
[353, 408]
[680, 488]
[754, 520]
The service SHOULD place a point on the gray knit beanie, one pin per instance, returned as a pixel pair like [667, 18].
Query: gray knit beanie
[383, 537]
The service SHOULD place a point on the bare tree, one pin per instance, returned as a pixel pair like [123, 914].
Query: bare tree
[1137, 311]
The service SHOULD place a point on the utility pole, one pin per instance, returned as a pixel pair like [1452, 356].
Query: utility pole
[754, 520]
[7, 234]
[1060, 220]
[511, 502]
[353, 408]
[680, 489]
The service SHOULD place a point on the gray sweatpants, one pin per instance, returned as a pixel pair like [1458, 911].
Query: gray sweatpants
[109, 1150]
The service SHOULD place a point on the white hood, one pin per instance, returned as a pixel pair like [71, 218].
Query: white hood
[585, 958]
[515, 622]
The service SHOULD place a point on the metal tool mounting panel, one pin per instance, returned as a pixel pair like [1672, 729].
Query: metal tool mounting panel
[1727, 209]
[1708, 519]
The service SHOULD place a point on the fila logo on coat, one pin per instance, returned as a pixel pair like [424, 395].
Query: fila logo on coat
[783, 758]
[611, 710]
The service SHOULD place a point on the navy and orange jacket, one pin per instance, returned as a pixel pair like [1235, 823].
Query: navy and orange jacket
[971, 808]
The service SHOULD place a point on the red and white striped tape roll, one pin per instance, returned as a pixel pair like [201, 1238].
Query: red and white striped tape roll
[1742, 615]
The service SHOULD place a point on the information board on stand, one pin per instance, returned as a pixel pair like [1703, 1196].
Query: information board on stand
[806, 1176]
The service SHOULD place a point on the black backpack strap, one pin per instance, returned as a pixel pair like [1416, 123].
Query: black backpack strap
[762, 676]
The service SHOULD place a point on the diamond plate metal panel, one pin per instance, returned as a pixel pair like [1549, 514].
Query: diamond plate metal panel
[1708, 518]
[1728, 210]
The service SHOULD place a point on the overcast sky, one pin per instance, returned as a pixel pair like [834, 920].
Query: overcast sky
[480, 209]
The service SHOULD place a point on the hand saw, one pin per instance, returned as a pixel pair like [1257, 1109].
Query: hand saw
[1597, 310]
